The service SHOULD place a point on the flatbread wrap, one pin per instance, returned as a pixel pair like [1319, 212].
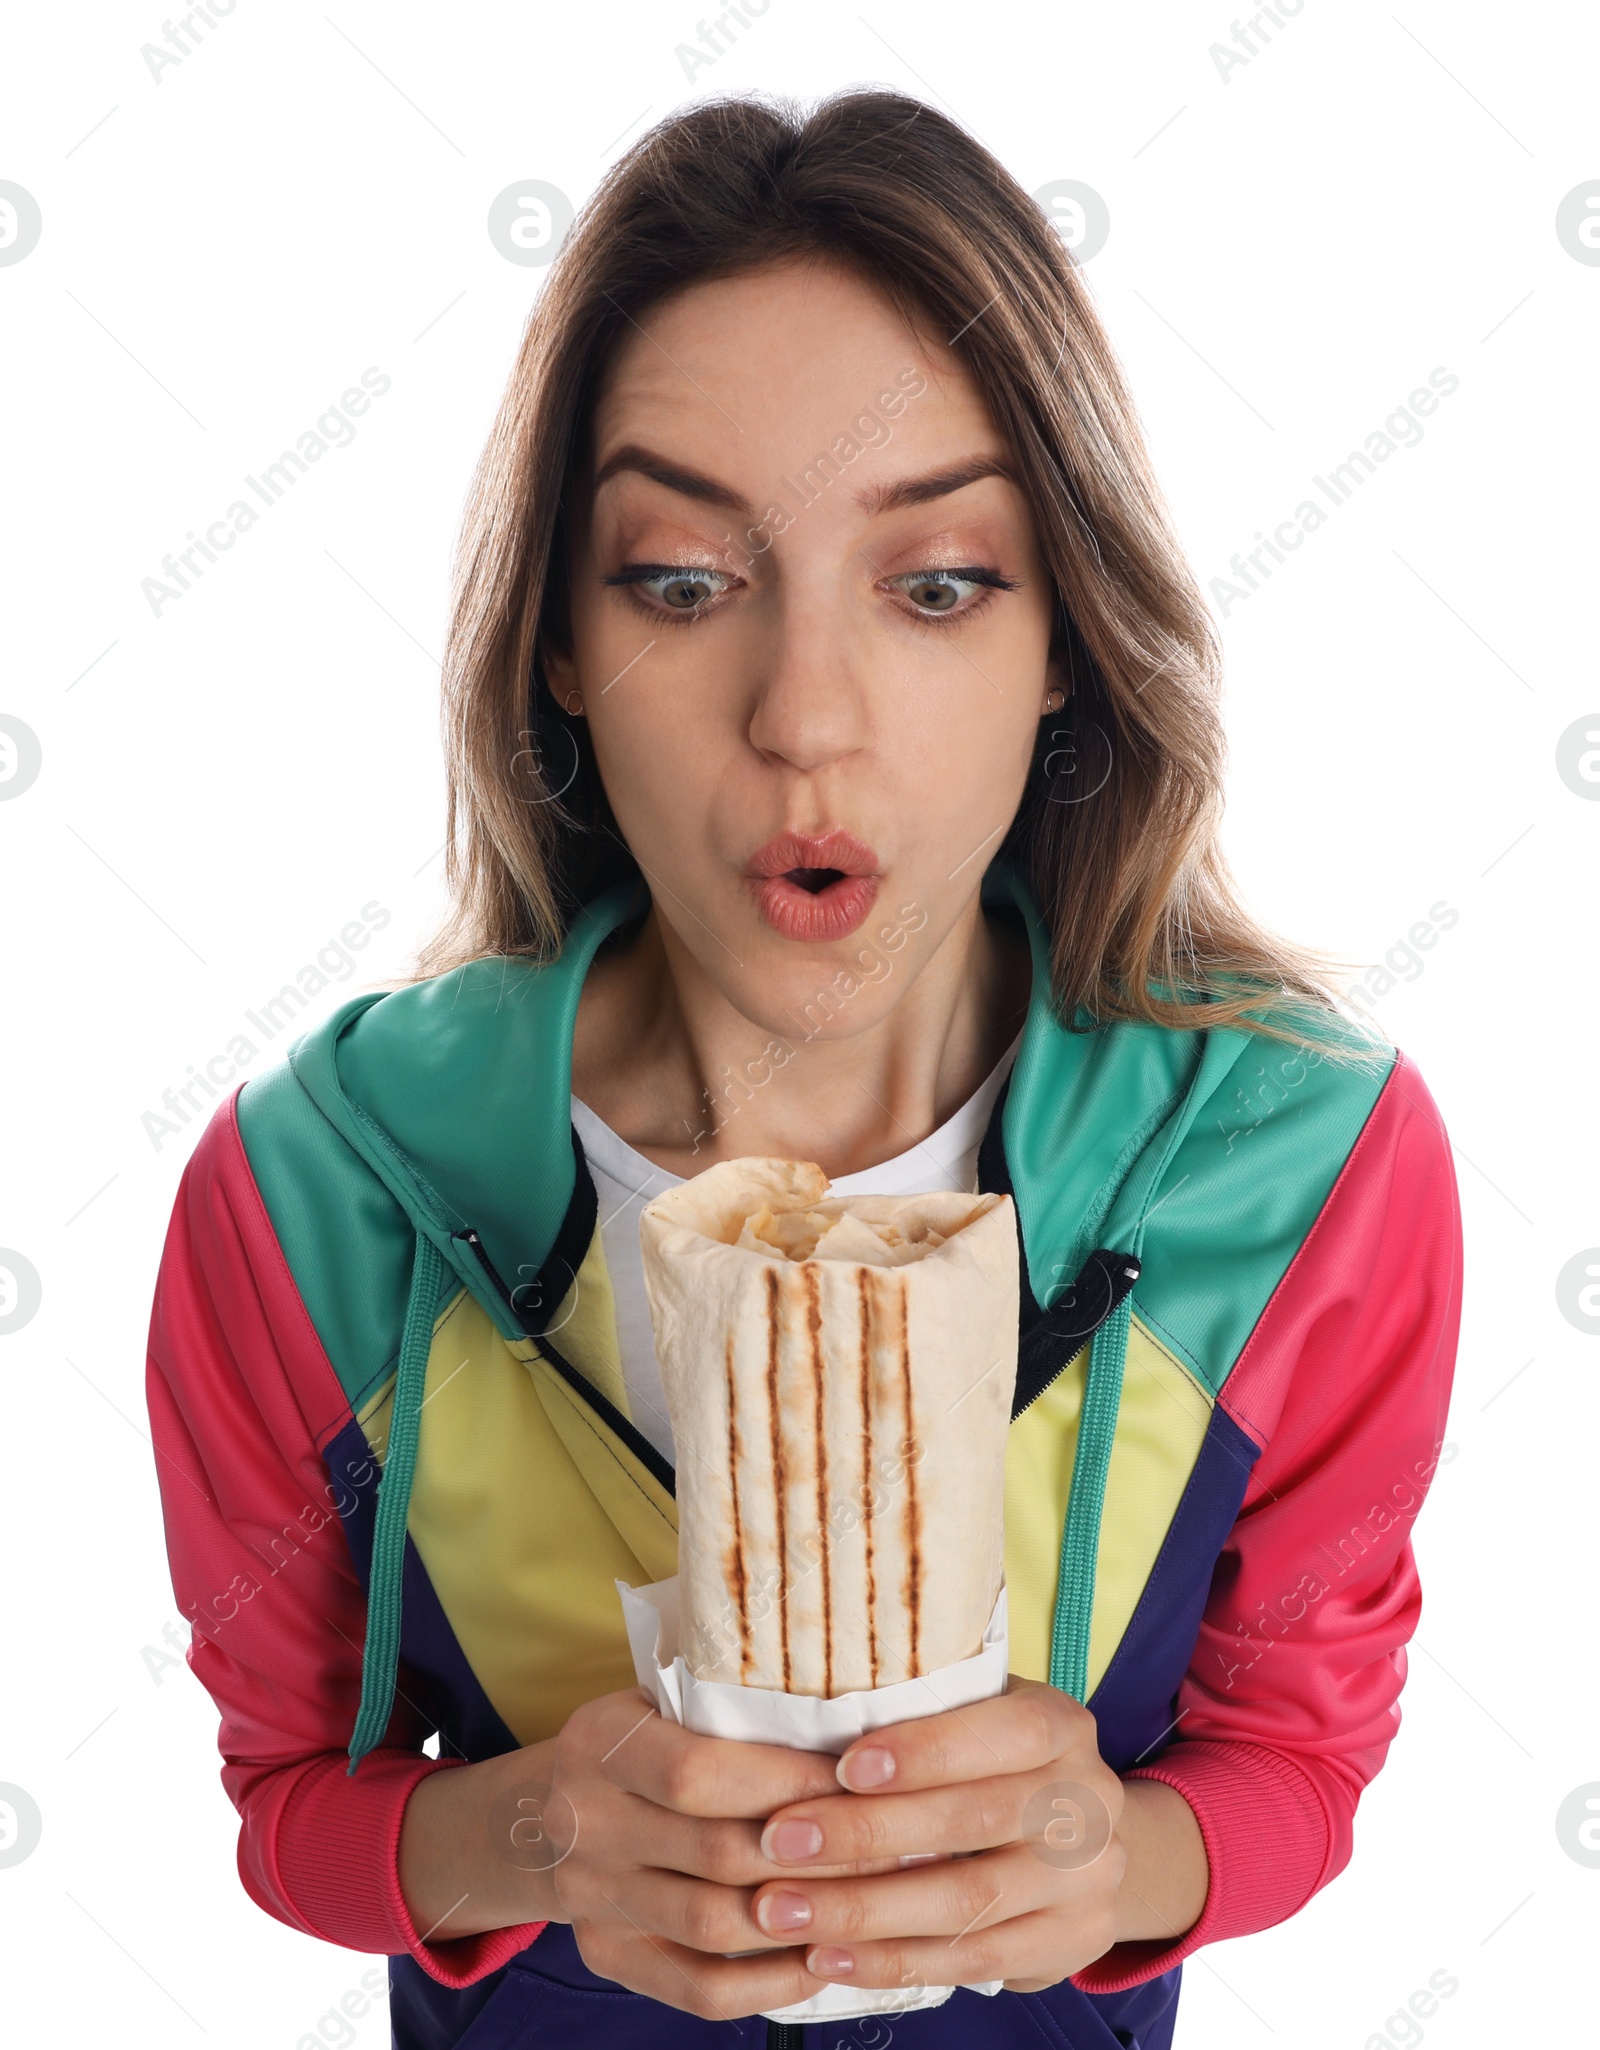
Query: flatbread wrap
[839, 1374]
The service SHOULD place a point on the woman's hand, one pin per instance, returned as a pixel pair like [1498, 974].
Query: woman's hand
[667, 1851]
[1018, 1846]
[646, 1838]
[998, 1845]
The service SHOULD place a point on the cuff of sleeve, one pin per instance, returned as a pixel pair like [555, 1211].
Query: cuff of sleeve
[356, 1832]
[1266, 1840]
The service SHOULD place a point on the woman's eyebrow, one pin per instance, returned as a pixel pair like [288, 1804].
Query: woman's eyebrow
[675, 476]
[934, 483]
[881, 498]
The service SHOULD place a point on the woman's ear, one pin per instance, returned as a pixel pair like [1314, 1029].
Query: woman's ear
[561, 674]
[1059, 665]
[1057, 686]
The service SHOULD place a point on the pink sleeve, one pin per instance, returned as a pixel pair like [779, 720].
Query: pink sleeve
[240, 1395]
[1292, 1695]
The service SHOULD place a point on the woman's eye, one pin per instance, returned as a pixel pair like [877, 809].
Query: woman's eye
[686, 589]
[674, 590]
[935, 591]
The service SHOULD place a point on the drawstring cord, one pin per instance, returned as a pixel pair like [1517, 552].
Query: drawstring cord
[380, 1656]
[1097, 1431]
[1080, 1534]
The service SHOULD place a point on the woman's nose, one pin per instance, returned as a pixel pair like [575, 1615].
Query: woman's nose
[810, 704]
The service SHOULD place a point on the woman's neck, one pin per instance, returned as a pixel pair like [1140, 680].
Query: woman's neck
[686, 1080]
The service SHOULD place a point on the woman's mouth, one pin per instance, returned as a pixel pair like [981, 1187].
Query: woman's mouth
[813, 887]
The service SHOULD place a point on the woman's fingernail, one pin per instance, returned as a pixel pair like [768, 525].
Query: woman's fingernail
[824, 1963]
[782, 1913]
[790, 1843]
[918, 1857]
[872, 1767]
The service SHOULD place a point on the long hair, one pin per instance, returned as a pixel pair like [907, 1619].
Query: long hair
[1117, 831]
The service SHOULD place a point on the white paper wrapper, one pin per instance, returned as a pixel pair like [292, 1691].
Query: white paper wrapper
[757, 1715]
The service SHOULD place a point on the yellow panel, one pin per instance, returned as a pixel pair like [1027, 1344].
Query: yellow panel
[645, 1515]
[585, 1328]
[521, 1539]
[1162, 1422]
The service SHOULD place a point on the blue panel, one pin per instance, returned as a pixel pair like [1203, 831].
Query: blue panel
[1137, 1697]
[548, 1995]
[434, 1673]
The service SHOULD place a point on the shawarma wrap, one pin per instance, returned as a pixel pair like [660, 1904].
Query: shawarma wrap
[839, 1375]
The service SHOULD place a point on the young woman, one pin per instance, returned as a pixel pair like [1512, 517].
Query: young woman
[835, 774]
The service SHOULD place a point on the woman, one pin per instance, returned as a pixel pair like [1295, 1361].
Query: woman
[835, 774]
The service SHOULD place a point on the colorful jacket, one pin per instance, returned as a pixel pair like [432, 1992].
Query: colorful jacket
[1241, 1295]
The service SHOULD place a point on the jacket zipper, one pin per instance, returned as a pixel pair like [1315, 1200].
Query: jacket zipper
[1072, 1320]
[641, 1448]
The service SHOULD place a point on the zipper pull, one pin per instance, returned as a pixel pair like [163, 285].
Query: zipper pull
[1071, 1321]
[471, 1238]
[1084, 1305]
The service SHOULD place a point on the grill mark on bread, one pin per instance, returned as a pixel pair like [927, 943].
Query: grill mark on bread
[864, 1290]
[819, 1417]
[913, 1511]
[779, 1475]
[740, 1579]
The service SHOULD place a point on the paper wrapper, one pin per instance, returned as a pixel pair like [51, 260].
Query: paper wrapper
[759, 1715]
[839, 1374]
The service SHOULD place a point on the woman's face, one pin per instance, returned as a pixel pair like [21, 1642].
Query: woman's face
[809, 630]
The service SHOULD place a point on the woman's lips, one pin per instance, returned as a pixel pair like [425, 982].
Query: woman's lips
[813, 887]
[830, 913]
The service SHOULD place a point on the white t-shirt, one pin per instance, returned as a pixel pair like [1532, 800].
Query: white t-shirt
[625, 1182]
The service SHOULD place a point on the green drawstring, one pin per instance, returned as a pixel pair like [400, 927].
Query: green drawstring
[1097, 1430]
[381, 1654]
[1080, 1535]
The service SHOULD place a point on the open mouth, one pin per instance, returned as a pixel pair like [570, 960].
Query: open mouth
[814, 887]
[814, 905]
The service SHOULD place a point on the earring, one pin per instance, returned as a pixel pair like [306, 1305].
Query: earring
[1055, 700]
[573, 701]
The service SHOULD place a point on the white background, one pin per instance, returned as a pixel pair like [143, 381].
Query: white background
[1292, 251]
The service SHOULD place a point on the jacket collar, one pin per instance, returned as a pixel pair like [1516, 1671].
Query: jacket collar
[1093, 1114]
[456, 1092]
